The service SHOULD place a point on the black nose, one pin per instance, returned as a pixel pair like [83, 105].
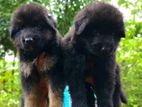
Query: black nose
[28, 40]
[106, 48]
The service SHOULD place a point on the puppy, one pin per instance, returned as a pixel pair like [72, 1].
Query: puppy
[90, 54]
[34, 33]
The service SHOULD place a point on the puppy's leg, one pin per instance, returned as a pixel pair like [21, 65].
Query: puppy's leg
[43, 102]
[35, 99]
[75, 68]
[123, 97]
[116, 98]
[78, 93]
[104, 87]
[90, 95]
[118, 95]
[55, 97]
[31, 99]
[117, 88]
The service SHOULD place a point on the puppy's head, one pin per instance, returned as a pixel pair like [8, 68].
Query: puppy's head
[32, 29]
[98, 29]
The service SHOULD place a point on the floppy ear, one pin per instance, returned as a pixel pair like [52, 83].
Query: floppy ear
[80, 25]
[13, 31]
[50, 21]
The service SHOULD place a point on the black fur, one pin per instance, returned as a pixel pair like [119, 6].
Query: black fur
[90, 49]
[118, 94]
[36, 38]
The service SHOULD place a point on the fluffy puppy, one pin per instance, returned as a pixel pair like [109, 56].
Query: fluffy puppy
[90, 51]
[34, 33]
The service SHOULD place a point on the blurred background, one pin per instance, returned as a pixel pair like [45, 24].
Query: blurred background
[129, 53]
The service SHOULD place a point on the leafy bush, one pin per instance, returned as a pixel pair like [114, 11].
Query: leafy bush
[10, 84]
[129, 55]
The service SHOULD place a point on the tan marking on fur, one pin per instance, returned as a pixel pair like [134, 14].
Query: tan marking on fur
[31, 99]
[50, 62]
[26, 68]
[45, 62]
[41, 61]
[37, 97]
[43, 89]
[89, 79]
[55, 98]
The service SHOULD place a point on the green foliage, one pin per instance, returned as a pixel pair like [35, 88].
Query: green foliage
[66, 10]
[129, 55]
[133, 29]
[6, 8]
[129, 51]
[10, 84]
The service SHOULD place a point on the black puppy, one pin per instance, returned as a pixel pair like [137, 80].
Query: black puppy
[90, 54]
[36, 38]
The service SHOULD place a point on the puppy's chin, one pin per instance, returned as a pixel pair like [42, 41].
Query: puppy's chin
[30, 54]
[33, 48]
[90, 52]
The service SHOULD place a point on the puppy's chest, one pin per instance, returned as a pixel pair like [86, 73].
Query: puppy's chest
[90, 63]
[41, 65]
[45, 62]
[43, 86]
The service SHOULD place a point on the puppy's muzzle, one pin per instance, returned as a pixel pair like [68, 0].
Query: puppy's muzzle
[28, 40]
[104, 48]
